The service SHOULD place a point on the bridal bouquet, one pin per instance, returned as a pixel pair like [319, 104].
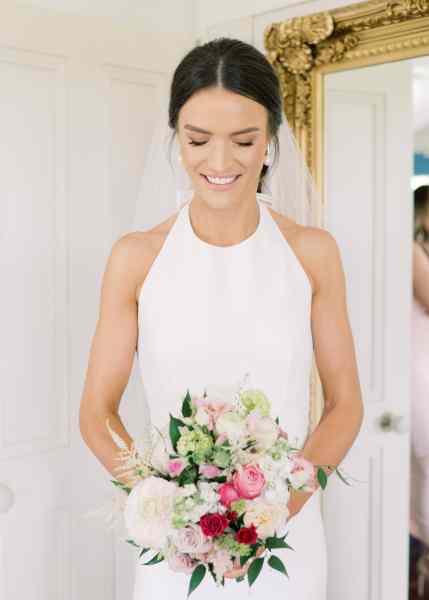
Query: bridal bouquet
[212, 488]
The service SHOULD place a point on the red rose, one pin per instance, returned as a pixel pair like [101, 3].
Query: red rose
[247, 535]
[213, 524]
[231, 515]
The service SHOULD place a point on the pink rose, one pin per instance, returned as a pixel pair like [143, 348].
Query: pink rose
[175, 466]
[248, 481]
[209, 471]
[181, 563]
[228, 494]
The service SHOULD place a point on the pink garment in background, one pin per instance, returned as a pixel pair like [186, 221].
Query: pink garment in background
[419, 465]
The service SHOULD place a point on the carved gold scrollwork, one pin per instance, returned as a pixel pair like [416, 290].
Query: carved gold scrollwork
[297, 47]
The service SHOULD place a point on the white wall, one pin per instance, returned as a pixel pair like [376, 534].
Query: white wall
[220, 15]
[163, 16]
[164, 32]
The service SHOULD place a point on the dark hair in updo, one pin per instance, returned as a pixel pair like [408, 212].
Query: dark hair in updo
[235, 66]
[421, 207]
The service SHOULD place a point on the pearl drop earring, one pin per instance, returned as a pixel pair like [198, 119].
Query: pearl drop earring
[267, 160]
[179, 158]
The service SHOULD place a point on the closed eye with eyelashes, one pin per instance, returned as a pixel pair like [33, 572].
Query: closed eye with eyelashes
[193, 143]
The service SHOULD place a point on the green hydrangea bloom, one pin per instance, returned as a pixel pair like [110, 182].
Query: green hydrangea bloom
[229, 543]
[194, 441]
[255, 399]
[221, 457]
[239, 506]
[178, 521]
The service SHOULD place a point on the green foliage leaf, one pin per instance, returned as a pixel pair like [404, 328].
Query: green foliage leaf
[188, 475]
[132, 542]
[174, 431]
[187, 405]
[254, 569]
[322, 478]
[220, 479]
[155, 559]
[121, 485]
[276, 542]
[276, 563]
[143, 551]
[196, 577]
[244, 559]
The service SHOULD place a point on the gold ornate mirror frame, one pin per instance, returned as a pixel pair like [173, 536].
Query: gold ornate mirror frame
[303, 50]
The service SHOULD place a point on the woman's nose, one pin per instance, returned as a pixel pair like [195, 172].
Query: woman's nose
[219, 158]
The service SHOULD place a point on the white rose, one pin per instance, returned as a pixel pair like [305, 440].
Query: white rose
[276, 491]
[232, 425]
[208, 491]
[263, 430]
[270, 467]
[267, 517]
[301, 472]
[148, 510]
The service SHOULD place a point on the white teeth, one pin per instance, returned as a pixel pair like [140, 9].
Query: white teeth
[221, 180]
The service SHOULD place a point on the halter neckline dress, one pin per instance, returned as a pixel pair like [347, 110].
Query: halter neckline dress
[209, 315]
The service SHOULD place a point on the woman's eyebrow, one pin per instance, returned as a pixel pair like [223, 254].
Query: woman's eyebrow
[199, 130]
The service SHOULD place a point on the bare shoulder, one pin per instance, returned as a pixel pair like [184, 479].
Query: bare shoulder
[314, 247]
[135, 251]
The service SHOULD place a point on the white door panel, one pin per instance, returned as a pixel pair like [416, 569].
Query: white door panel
[77, 106]
[368, 168]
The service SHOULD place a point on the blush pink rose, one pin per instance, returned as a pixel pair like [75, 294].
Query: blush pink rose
[181, 563]
[175, 466]
[228, 494]
[209, 471]
[249, 481]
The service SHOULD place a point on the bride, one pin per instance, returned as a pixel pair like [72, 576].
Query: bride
[227, 285]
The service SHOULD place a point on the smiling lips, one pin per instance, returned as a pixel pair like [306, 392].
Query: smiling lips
[220, 181]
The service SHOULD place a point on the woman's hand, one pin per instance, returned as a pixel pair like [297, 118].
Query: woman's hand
[239, 571]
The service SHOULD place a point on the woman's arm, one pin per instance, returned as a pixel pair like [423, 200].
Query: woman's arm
[421, 276]
[112, 352]
[335, 357]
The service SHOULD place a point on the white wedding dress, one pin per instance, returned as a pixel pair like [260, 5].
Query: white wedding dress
[208, 315]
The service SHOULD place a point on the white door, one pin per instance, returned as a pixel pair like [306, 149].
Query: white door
[76, 111]
[368, 167]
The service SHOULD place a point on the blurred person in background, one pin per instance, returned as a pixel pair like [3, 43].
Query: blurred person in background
[419, 456]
